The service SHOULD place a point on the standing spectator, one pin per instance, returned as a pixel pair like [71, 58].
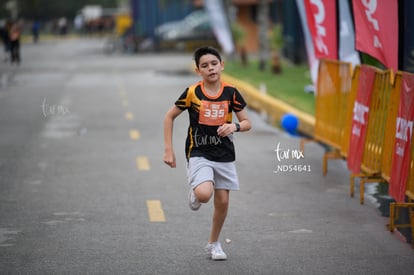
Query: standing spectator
[35, 31]
[78, 23]
[14, 34]
[4, 35]
[63, 25]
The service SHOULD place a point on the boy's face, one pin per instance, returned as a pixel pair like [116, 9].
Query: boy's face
[210, 68]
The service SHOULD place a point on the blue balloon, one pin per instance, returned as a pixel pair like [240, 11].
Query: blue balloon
[290, 123]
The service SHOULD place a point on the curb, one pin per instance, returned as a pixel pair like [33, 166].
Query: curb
[273, 107]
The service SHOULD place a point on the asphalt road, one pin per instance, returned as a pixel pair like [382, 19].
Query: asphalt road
[83, 189]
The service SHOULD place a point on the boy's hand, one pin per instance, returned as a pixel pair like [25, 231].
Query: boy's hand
[169, 159]
[226, 129]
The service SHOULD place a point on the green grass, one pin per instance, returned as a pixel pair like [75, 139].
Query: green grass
[287, 86]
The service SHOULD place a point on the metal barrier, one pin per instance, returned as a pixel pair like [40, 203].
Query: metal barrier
[410, 184]
[388, 146]
[349, 111]
[333, 89]
[332, 103]
[396, 207]
[335, 102]
[372, 154]
[371, 162]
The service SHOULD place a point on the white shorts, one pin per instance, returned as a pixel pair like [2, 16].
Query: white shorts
[222, 174]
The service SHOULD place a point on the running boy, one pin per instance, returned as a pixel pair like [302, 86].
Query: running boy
[209, 146]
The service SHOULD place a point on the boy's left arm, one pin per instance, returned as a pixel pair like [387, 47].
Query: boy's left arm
[244, 120]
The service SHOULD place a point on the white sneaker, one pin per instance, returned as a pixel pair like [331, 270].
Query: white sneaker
[215, 251]
[192, 201]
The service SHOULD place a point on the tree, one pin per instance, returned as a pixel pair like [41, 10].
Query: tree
[239, 38]
[276, 48]
[263, 20]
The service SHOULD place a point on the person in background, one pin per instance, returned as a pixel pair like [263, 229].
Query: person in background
[14, 35]
[63, 25]
[35, 31]
[78, 23]
[4, 36]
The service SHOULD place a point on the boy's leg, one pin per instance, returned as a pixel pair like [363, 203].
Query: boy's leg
[221, 203]
[204, 191]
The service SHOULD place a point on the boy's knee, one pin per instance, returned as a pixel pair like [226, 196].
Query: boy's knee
[223, 204]
[203, 197]
[221, 199]
[204, 192]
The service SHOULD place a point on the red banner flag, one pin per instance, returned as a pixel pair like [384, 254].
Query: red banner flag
[321, 16]
[360, 118]
[376, 24]
[403, 137]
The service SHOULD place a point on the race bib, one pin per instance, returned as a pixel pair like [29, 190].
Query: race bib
[213, 113]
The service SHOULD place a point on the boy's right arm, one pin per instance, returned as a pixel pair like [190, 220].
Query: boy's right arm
[169, 155]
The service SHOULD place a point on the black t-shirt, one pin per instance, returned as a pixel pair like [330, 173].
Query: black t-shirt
[206, 114]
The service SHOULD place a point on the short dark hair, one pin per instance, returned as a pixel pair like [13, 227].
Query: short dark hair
[198, 53]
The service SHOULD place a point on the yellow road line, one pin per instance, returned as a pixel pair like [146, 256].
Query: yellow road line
[129, 116]
[125, 103]
[155, 212]
[134, 134]
[122, 92]
[143, 163]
